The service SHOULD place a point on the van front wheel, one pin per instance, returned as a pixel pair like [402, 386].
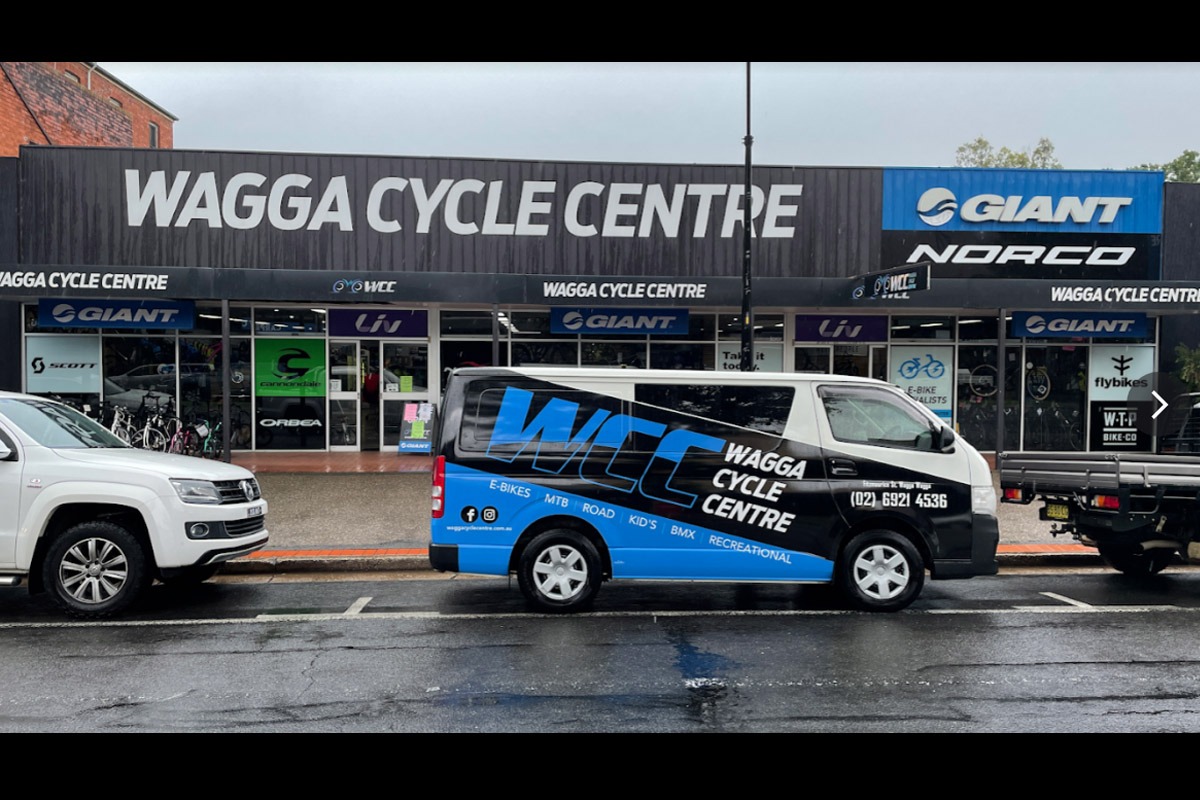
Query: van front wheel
[559, 571]
[881, 571]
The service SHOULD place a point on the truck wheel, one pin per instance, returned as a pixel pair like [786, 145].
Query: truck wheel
[1137, 562]
[559, 571]
[880, 571]
[95, 570]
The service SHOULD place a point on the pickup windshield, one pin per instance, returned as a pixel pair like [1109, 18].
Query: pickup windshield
[54, 425]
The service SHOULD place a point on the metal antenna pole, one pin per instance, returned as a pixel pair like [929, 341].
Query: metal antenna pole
[747, 317]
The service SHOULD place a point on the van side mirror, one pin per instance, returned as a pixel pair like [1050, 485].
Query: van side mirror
[5, 453]
[946, 440]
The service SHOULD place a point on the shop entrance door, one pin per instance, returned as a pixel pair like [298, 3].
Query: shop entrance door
[345, 386]
[354, 420]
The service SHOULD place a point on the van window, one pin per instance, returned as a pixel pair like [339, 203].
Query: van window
[866, 415]
[760, 408]
[553, 417]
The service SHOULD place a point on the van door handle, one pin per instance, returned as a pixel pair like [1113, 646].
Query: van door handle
[842, 466]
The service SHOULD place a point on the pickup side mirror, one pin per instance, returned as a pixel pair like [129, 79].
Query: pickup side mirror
[946, 440]
[5, 453]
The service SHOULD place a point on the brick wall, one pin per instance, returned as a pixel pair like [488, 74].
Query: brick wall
[38, 92]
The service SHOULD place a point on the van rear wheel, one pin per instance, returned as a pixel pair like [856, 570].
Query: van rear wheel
[559, 571]
[881, 571]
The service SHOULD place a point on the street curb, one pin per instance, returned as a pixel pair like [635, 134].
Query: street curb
[324, 561]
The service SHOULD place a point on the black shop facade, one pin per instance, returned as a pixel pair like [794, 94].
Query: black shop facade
[316, 302]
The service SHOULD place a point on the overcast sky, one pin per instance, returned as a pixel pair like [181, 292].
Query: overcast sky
[1098, 115]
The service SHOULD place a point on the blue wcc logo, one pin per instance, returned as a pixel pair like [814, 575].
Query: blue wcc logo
[353, 286]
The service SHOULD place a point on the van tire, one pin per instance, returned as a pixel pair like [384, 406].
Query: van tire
[559, 571]
[95, 570]
[881, 571]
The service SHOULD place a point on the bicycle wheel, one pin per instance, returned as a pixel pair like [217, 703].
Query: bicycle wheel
[154, 439]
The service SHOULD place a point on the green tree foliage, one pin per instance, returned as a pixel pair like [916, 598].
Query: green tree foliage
[980, 153]
[1184, 169]
[1187, 366]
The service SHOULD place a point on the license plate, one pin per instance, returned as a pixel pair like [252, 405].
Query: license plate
[254, 511]
[1057, 511]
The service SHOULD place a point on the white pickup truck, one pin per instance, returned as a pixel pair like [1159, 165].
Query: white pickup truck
[94, 522]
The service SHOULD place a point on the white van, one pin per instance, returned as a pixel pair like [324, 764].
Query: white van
[569, 477]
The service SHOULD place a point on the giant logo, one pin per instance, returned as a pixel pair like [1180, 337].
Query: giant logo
[937, 206]
[618, 321]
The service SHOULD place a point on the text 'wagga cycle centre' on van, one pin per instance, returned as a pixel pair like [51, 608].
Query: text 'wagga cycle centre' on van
[571, 477]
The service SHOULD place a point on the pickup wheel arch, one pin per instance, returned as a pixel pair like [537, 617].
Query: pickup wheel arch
[72, 514]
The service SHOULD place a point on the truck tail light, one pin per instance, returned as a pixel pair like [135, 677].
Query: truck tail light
[1012, 494]
[1106, 501]
[438, 490]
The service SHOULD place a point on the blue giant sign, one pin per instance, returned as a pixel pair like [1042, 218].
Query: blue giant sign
[1074, 324]
[630, 321]
[141, 314]
[1042, 200]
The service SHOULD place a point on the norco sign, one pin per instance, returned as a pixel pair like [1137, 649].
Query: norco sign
[1074, 325]
[463, 207]
[1031, 254]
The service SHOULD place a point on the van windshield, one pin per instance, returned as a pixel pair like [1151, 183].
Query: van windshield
[55, 425]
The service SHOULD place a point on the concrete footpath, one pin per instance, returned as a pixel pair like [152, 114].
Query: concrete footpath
[370, 512]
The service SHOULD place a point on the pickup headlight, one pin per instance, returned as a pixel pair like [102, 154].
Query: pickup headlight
[983, 500]
[203, 492]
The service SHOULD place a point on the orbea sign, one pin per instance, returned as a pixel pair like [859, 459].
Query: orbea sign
[249, 200]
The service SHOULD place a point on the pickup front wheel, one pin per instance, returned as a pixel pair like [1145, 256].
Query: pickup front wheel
[95, 570]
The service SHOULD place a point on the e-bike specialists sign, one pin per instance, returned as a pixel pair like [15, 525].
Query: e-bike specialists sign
[1025, 223]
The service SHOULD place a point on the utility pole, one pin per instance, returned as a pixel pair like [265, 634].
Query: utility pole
[747, 317]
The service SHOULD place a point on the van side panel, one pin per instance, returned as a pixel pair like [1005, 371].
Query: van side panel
[667, 494]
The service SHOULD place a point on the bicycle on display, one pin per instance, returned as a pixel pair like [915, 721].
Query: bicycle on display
[1054, 430]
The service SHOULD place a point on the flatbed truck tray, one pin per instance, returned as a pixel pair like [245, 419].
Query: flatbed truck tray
[1070, 473]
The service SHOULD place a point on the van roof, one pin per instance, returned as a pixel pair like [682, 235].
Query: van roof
[674, 375]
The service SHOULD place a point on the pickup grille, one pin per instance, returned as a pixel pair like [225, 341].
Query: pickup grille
[244, 527]
[233, 491]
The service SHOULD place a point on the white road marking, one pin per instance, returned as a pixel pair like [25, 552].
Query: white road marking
[1065, 599]
[358, 605]
[427, 615]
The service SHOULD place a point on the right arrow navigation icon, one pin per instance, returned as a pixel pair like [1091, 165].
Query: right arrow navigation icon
[1163, 404]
